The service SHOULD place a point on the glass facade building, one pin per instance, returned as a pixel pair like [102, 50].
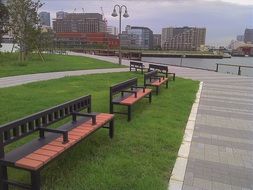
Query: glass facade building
[138, 38]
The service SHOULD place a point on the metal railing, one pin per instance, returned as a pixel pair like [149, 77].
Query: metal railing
[239, 67]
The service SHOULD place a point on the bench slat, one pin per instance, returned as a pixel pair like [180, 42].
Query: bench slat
[40, 157]
[157, 83]
[131, 99]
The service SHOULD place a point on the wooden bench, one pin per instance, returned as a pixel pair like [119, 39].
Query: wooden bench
[136, 66]
[37, 153]
[163, 70]
[127, 93]
[153, 79]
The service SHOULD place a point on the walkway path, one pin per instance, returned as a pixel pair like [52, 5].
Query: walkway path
[23, 79]
[221, 153]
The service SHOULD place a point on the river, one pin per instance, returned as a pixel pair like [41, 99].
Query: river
[209, 63]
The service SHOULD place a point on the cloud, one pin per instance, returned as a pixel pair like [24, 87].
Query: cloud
[224, 19]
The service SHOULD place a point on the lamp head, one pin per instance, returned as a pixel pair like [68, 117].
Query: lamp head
[114, 13]
[126, 14]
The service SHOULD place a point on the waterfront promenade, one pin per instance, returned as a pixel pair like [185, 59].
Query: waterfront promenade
[221, 151]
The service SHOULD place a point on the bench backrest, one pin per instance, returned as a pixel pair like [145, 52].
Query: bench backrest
[139, 64]
[148, 75]
[18, 129]
[115, 89]
[162, 69]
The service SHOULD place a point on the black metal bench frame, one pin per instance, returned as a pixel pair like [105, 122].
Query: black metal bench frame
[136, 66]
[130, 87]
[153, 76]
[163, 70]
[39, 122]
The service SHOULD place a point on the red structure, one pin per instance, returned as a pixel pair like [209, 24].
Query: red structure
[76, 38]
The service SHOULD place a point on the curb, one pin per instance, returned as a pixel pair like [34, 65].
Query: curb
[177, 176]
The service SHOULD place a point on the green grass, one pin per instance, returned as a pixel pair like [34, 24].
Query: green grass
[10, 66]
[141, 155]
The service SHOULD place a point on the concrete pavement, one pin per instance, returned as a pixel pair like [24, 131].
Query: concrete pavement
[24, 79]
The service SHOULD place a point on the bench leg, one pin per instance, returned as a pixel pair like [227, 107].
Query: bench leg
[111, 129]
[129, 113]
[111, 108]
[167, 84]
[157, 90]
[35, 180]
[4, 176]
[150, 97]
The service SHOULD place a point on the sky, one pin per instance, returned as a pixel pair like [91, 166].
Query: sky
[223, 19]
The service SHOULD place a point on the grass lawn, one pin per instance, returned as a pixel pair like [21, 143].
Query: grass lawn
[10, 66]
[143, 152]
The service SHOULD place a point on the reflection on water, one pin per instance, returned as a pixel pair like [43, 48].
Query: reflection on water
[209, 63]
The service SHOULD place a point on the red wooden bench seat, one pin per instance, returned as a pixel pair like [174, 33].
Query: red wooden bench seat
[43, 155]
[153, 79]
[159, 83]
[127, 93]
[130, 100]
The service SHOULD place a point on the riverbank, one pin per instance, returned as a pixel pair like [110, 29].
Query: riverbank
[207, 64]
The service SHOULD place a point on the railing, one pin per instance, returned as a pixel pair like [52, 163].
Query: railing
[239, 67]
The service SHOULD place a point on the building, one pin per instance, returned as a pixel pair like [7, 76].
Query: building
[136, 37]
[79, 22]
[157, 41]
[61, 14]
[183, 38]
[112, 30]
[44, 18]
[240, 38]
[248, 36]
[82, 40]
[125, 40]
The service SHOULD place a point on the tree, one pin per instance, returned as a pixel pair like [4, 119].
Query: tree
[24, 24]
[46, 40]
[4, 18]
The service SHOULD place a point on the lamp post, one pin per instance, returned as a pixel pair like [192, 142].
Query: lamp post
[114, 14]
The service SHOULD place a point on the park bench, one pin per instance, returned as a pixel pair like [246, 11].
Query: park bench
[51, 142]
[153, 79]
[136, 66]
[127, 93]
[163, 70]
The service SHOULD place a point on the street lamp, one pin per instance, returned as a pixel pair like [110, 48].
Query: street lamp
[114, 14]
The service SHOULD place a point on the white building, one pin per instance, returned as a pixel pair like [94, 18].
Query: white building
[112, 30]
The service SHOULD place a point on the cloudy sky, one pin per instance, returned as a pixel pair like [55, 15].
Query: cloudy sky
[224, 19]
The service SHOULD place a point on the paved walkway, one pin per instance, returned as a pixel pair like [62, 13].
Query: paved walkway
[221, 153]
[23, 79]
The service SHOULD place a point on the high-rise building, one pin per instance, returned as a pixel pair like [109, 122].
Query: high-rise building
[112, 30]
[44, 18]
[79, 22]
[240, 38]
[157, 41]
[183, 38]
[248, 36]
[138, 37]
[61, 14]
